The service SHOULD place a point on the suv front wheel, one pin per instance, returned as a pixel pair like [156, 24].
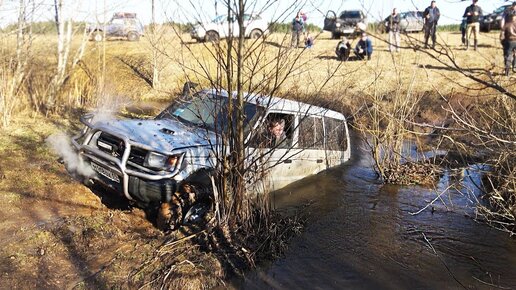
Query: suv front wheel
[256, 33]
[98, 36]
[212, 36]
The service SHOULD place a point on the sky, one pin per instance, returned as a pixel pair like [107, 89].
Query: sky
[195, 10]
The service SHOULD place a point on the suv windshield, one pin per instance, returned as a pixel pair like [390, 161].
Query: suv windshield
[206, 110]
[501, 9]
[219, 19]
[350, 14]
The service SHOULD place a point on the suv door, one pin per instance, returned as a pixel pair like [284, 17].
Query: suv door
[275, 159]
[116, 27]
[310, 158]
[329, 21]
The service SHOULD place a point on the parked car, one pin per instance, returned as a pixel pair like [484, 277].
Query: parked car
[121, 25]
[255, 27]
[493, 20]
[148, 161]
[410, 21]
[345, 24]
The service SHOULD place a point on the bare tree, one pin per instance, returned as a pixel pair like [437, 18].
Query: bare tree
[243, 68]
[13, 76]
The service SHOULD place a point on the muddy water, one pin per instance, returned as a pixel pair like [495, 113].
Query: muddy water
[365, 235]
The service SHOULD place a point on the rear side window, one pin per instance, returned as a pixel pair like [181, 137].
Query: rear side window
[311, 133]
[335, 135]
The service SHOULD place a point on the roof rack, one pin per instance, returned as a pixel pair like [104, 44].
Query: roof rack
[124, 15]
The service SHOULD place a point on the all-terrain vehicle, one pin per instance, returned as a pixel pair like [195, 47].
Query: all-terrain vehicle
[121, 25]
[169, 162]
[345, 24]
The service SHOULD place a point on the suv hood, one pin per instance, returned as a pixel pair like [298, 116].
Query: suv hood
[162, 135]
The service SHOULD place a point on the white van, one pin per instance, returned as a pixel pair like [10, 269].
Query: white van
[149, 160]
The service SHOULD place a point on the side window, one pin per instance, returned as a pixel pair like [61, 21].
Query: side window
[275, 132]
[118, 21]
[335, 135]
[311, 133]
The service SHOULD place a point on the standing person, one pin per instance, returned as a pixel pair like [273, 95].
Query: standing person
[508, 38]
[393, 25]
[431, 16]
[297, 30]
[364, 47]
[507, 14]
[472, 14]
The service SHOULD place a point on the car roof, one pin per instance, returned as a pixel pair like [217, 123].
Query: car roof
[277, 104]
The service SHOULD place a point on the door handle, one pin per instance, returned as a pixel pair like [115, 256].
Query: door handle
[287, 161]
[319, 161]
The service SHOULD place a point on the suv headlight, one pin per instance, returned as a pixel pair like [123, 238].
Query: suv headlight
[163, 162]
[337, 24]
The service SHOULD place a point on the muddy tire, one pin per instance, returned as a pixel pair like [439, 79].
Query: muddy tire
[212, 36]
[98, 36]
[255, 34]
[189, 204]
[133, 36]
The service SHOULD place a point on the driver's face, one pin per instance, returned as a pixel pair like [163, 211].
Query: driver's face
[276, 129]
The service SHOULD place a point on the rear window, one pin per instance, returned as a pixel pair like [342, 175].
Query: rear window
[335, 135]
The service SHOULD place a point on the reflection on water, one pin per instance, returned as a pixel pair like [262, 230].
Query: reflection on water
[365, 235]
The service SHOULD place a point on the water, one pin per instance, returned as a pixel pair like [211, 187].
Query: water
[365, 235]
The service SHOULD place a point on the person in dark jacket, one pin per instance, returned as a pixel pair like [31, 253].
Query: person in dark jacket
[508, 38]
[431, 16]
[297, 30]
[393, 26]
[343, 49]
[472, 14]
[364, 47]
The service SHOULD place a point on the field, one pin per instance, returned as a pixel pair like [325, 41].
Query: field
[56, 233]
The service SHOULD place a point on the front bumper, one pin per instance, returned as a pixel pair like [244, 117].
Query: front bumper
[345, 30]
[118, 173]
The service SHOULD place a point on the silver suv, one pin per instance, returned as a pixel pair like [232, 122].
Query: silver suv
[121, 25]
[345, 24]
[169, 162]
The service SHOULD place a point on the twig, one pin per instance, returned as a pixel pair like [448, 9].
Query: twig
[432, 202]
[489, 284]
[440, 259]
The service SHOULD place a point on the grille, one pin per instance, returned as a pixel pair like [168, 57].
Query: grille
[111, 145]
[137, 155]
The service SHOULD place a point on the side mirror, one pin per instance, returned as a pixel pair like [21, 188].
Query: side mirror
[188, 87]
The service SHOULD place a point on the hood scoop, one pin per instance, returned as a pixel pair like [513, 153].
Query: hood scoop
[167, 131]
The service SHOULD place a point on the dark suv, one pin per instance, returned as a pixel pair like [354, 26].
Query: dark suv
[121, 25]
[345, 24]
[493, 20]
